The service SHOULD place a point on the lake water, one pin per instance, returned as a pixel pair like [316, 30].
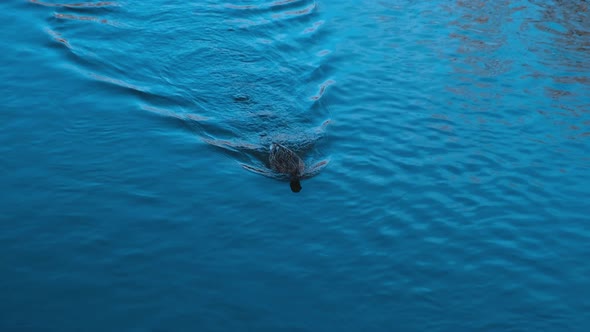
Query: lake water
[455, 198]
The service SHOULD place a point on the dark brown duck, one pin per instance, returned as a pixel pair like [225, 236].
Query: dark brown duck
[283, 160]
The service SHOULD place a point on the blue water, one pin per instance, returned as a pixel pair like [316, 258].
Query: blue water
[455, 198]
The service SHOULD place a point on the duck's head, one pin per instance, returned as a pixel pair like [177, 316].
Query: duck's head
[295, 185]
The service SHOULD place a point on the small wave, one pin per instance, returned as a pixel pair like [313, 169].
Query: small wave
[58, 38]
[171, 114]
[323, 88]
[273, 13]
[147, 95]
[314, 27]
[241, 7]
[76, 5]
[83, 18]
[273, 6]
[117, 82]
[296, 13]
[233, 145]
[283, 2]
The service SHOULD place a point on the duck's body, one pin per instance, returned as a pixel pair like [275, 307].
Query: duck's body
[285, 163]
[283, 160]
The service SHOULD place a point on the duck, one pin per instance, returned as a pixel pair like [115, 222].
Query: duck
[284, 161]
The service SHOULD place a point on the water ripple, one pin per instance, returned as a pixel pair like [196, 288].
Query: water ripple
[84, 18]
[456, 133]
[280, 12]
[77, 5]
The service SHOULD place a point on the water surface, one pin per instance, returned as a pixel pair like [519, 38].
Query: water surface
[455, 198]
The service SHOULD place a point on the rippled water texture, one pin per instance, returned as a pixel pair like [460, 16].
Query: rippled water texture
[454, 135]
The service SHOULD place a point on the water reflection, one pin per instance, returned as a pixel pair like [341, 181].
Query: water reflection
[566, 26]
[477, 32]
[497, 70]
